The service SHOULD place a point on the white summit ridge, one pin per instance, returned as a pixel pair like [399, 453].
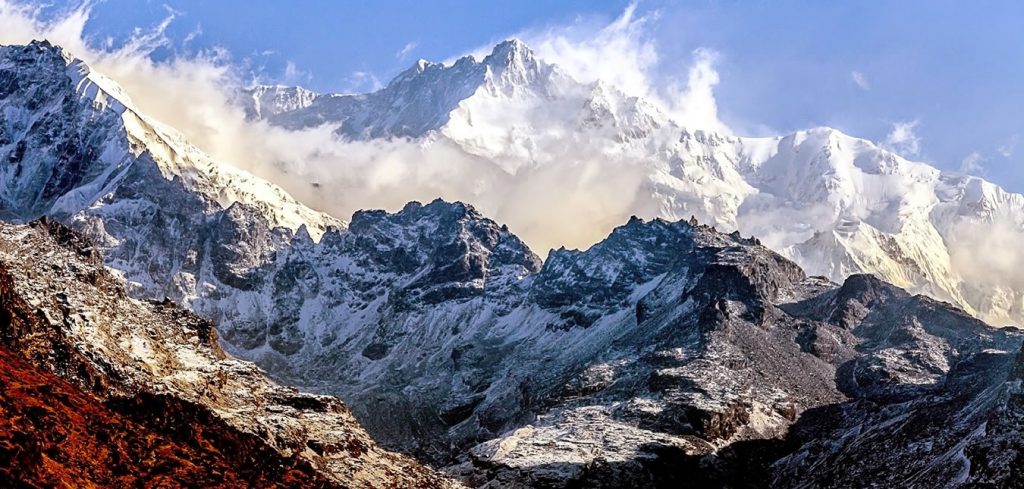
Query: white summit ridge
[836, 204]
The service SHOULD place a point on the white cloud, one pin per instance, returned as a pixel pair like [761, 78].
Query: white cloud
[860, 80]
[903, 140]
[1010, 146]
[193, 35]
[619, 53]
[406, 50]
[972, 164]
[294, 76]
[988, 252]
[694, 105]
[22, 23]
[625, 55]
[362, 81]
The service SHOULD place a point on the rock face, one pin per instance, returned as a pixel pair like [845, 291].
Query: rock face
[668, 352]
[747, 374]
[715, 362]
[75, 149]
[158, 371]
[266, 101]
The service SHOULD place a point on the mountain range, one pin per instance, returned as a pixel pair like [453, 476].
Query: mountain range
[673, 350]
[835, 204]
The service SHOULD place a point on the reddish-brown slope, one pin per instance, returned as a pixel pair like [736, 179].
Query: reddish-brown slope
[54, 435]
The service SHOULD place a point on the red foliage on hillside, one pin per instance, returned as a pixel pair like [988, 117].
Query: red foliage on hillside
[54, 435]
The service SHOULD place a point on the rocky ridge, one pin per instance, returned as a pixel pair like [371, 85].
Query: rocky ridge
[162, 367]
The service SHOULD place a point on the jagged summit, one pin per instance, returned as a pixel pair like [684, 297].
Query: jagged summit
[513, 54]
[511, 49]
[508, 56]
[43, 48]
[514, 67]
[415, 211]
[424, 97]
[418, 68]
[457, 251]
[263, 101]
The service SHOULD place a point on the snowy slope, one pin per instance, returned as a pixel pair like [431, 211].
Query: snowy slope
[834, 203]
[77, 150]
[80, 115]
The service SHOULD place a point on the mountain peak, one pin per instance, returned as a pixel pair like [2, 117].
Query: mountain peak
[432, 214]
[459, 251]
[418, 67]
[103, 136]
[45, 45]
[511, 48]
[511, 53]
[37, 53]
[512, 65]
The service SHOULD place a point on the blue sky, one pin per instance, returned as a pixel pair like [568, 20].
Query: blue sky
[950, 74]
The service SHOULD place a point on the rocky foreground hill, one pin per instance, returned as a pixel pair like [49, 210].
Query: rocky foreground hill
[101, 390]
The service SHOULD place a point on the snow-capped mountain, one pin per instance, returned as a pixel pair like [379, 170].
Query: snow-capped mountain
[420, 99]
[51, 100]
[77, 150]
[266, 101]
[668, 351]
[836, 204]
